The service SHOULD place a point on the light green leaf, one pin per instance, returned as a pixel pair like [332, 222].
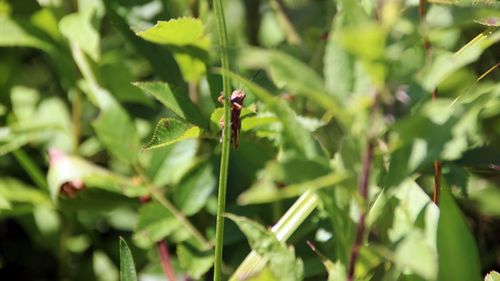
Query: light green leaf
[178, 32]
[115, 130]
[458, 254]
[195, 262]
[187, 39]
[154, 224]
[492, 276]
[338, 68]
[169, 131]
[415, 253]
[294, 75]
[176, 101]
[195, 188]
[78, 28]
[19, 33]
[19, 198]
[127, 266]
[281, 260]
[445, 63]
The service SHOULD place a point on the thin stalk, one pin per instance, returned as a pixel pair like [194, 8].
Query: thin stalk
[165, 259]
[363, 191]
[224, 163]
[76, 113]
[158, 196]
[428, 51]
[33, 170]
[292, 36]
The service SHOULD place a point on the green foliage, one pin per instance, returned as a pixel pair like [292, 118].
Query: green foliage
[127, 266]
[84, 159]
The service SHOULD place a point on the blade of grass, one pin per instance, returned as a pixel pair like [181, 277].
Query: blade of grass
[224, 163]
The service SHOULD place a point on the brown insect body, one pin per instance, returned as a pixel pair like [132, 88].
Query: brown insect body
[237, 98]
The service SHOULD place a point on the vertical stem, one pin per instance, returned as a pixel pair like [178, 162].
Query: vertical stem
[76, 112]
[427, 47]
[224, 164]
[363, 191]
[165, 259]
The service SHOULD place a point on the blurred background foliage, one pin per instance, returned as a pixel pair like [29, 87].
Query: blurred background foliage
[89, 154]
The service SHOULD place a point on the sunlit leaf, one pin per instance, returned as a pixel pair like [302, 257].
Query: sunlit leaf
[281, 260]
[195, 262]
[176, 101]
[169, 131]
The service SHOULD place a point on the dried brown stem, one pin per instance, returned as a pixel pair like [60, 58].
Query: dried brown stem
[363, 191]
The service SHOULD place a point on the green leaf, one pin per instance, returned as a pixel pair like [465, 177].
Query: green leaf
[445, 63]
[458, 254]
[117, 132]
[154, 224]
[281, 260]
[296, 134]
[492, 276]
[178, 32]
[176, 101]
[127, 266]
[195, 188]
[187, 39]
[295, 76]
[17, 197]
[79, 29]
[338, 68]
[169, 131]
[195, 262]
[21, 33]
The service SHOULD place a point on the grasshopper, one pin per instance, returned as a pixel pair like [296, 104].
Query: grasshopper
[237, 97]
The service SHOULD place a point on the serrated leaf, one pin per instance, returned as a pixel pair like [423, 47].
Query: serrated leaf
[169, 131]
[176, 101]
[195, 262]
[281, 260]
[127, 266]
[457, 251]
[492, 276]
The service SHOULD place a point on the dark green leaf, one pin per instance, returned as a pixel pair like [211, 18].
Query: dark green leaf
[458, 255]
[195, 262]
[127, 266]
[176, 101]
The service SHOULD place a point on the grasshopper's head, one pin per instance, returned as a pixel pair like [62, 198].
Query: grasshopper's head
[238, 96]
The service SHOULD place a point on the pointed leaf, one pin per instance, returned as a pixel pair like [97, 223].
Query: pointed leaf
[458, 254]
[170, 130]
[127, 266]
[176, 101]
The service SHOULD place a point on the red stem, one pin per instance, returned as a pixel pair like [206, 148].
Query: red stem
[363, 191]
[165, 259]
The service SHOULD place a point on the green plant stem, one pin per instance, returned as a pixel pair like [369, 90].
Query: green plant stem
[158, 196]
[292, 36]
[33, 170]
[224, 163]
